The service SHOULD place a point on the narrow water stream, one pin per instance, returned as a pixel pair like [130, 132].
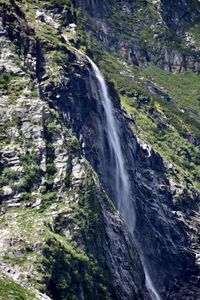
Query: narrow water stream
[122, 186]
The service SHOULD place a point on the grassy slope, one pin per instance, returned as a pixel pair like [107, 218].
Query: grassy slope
[13, 291]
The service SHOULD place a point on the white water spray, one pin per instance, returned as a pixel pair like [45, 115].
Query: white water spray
[121, 176]
[122, 186]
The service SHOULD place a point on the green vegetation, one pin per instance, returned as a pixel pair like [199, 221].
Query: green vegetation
[5, 79]
[32, 177]
[141, 27]
[137, 22]
[167, 123]
[32, 172]
[129, 28]
[50, 131]
[62, 266]
[48, 198]
[63, 232]
[86, 213]
[48, 34]
[11, 290]
[13, 86]
[59, 3]
[65, 265]
[51, 128]
[185, 93]
[60, 57]
[194, 31]
[10, 174]
[17, 121]
[68, 268]
[4, 1]
[168, 117]
[74, 145]
[67, 180]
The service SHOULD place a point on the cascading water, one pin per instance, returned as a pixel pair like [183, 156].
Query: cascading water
[122, 187]
[121, 177]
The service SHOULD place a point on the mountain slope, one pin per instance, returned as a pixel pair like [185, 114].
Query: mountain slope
[60, 232]
[166, 105]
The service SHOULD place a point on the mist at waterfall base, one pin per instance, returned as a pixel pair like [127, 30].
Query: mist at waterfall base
[122, 187]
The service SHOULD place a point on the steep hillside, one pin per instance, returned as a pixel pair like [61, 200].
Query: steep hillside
[62, 233]
[146, 32]
[165, 102]
[59, 231]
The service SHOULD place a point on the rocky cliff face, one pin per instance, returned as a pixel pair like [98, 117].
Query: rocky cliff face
[61, 234]
[148, 32]
[159, 223]
[178, 14]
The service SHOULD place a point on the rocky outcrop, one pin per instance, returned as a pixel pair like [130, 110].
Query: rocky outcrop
[94, 7]
[146, 32]
[180, 13]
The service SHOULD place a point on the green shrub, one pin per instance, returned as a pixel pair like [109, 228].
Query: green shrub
[5, 79]
[17, 121]
[67, 180]
[32, 177]
[51, 169]
[59, 3]
[60, 57]
[52, 127]
[73, 144]
[10, 174]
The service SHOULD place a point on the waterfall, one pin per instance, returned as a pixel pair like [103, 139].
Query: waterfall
[121, 183]
[122, 191]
